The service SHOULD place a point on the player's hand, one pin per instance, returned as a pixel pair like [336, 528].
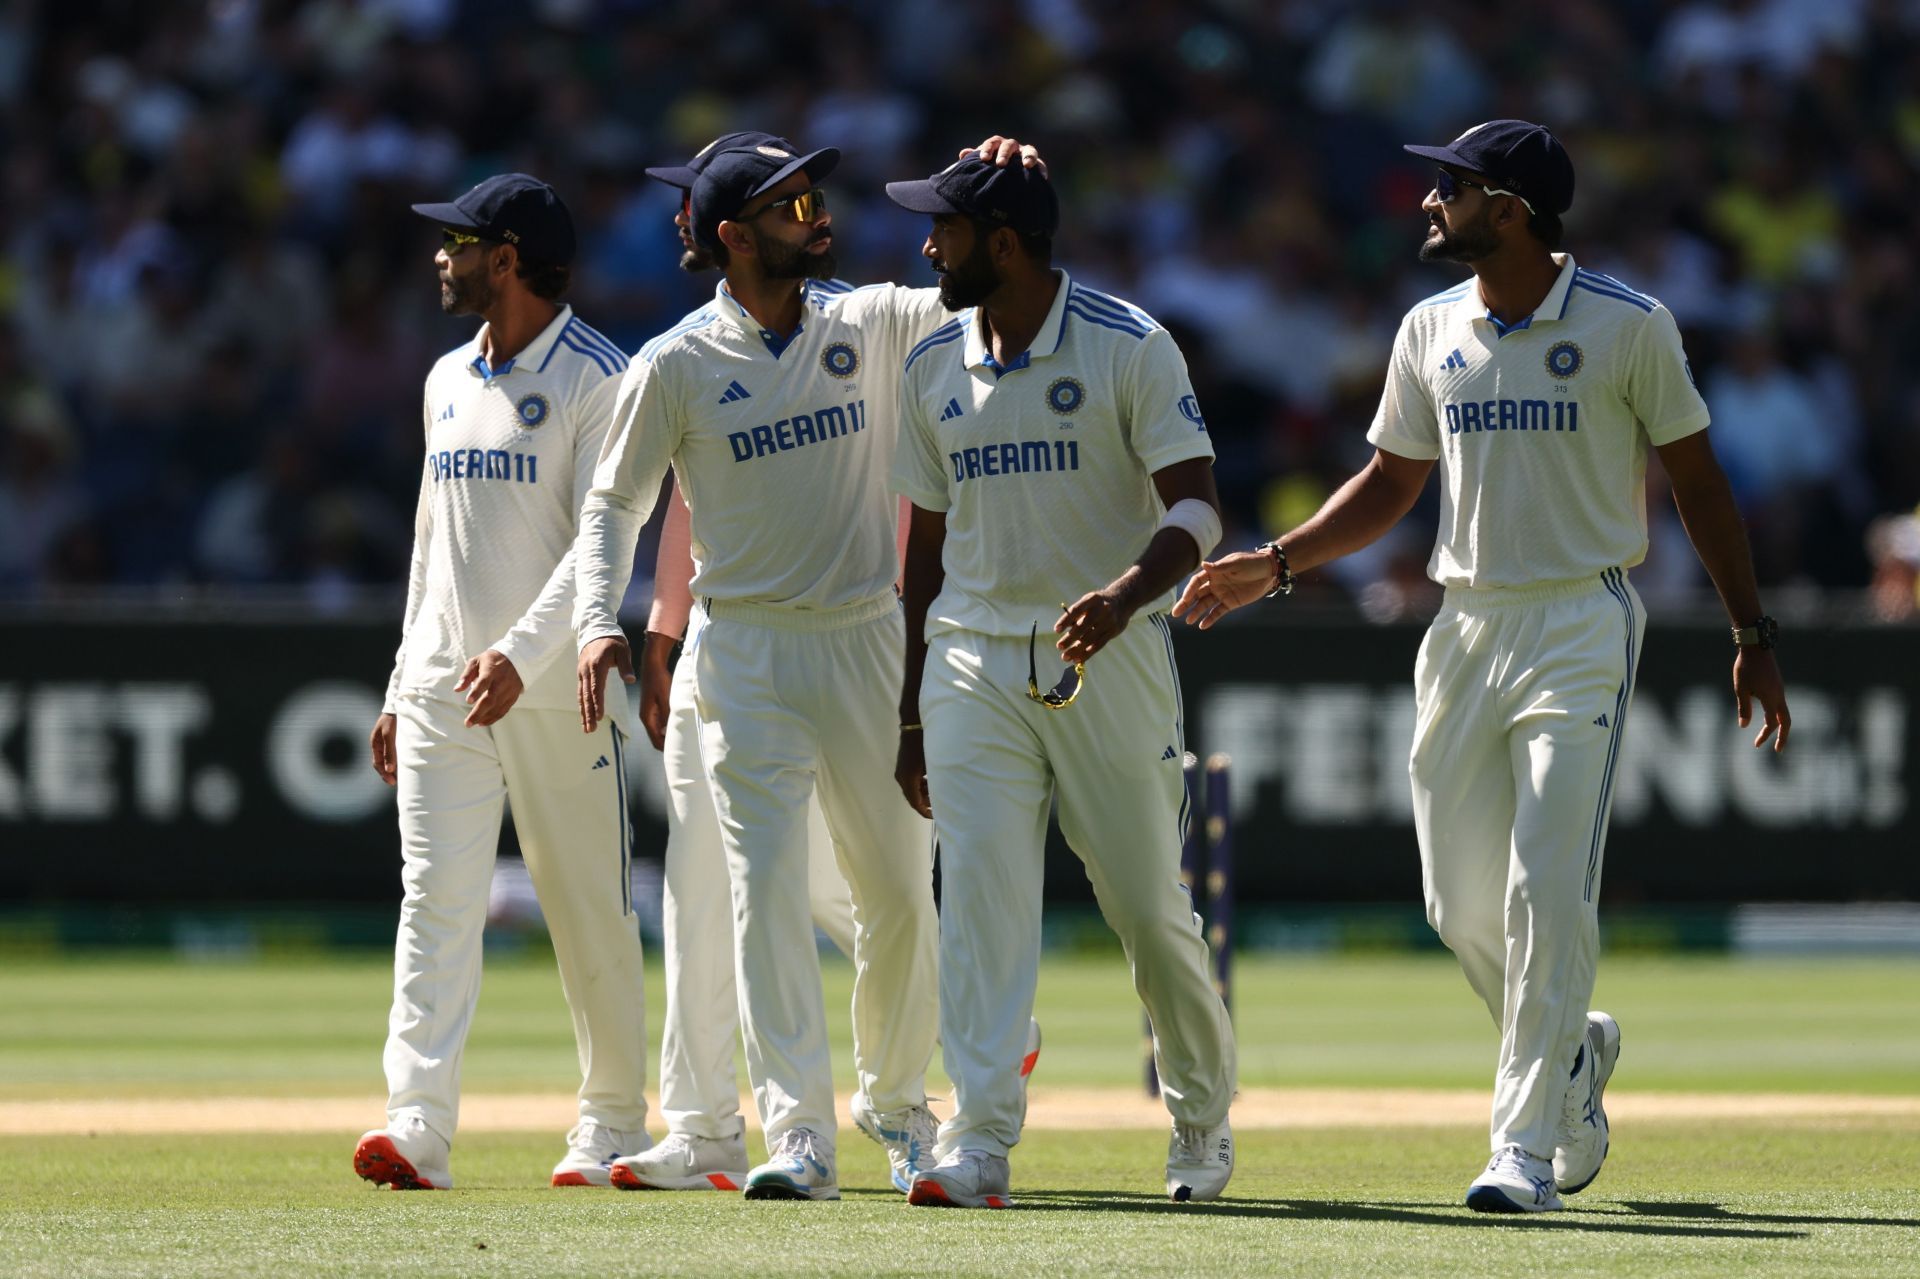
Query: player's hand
[1090, 623]
[596, 659]
[910, 770]
[1219, 586]
[656, 686]
[1001, 151]
[492, 686]
[1757, 675]
[380, 742]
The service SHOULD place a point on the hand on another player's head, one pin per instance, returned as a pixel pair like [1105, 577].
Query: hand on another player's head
[1002, 151]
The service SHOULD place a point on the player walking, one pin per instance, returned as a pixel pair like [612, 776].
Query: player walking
[705, 1146]
[514, 421]
[1539, 388]
[760, 402]
[1049, 440]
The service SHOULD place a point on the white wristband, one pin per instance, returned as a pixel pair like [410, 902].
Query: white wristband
[1197, 520]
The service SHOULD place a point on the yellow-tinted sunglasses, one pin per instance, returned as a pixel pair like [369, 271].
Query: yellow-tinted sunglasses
[1061, 695]
[453, 243]
[806, 206]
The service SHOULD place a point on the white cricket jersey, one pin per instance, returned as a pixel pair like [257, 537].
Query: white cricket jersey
[1044, 467]
[510, 456]
[1542, 428]
[781, 448]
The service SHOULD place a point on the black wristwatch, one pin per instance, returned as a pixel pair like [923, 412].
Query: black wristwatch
[1764, 633]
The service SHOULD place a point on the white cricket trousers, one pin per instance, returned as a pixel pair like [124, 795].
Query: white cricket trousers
[699, 1093]
[1521, 696]
[789, 700]
[569, 795]
[995, 758]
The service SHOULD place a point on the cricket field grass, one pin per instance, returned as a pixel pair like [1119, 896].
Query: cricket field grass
[161, 1117]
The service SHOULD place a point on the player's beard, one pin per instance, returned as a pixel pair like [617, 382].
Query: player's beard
[970, 281]
[695, 260]
[466, 294]
[783, 261]
[1468, 242]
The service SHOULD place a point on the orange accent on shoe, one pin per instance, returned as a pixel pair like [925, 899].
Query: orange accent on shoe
[995, 1201]
[625, 1178]
[928, 1193]
[571, 1179]
[376, 1159]
[721, 1181]
[1028, 1062]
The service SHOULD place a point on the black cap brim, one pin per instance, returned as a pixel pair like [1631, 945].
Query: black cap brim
[919, 197]
[444, 214]
[1444, 155]
[675, 175]
[816, 165]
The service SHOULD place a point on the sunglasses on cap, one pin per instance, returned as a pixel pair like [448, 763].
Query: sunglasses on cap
[1061, 695]
[1447, 185]
[804, 207]
[453, 243]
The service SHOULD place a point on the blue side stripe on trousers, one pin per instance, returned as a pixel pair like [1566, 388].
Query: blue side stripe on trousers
[1615, 581]
[625, 820]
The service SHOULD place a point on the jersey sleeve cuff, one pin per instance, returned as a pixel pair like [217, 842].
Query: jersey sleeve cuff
[1401, 446]
[1680, 430]
[925, 499]
[1161, 459]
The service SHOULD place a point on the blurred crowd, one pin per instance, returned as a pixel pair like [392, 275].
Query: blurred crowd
[216, 311]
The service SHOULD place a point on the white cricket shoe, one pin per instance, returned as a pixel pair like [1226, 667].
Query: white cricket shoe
[1199, 1162]
[405, 1156]
[907, 1135]
[685, 1162]
[1583, 1134]
[1514, 1181]
[591, 1149]
[801, 1168]
[963, 1179]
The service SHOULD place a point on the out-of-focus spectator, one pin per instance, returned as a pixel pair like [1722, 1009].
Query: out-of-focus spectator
[1893, 546]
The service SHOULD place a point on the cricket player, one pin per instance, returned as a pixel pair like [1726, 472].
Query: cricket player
[1539, 387]
[1053, 450]
[773, 405]
[514, 422]
[705, 1146]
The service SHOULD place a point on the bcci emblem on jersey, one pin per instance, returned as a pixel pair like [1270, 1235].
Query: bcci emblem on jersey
[840, 359]
[1065, 395]
[1564, 360]
[532, 410]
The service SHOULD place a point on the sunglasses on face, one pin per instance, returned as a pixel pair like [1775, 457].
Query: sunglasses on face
[1446, 185]
[804, 207]
[1061, 695]
[454, 243]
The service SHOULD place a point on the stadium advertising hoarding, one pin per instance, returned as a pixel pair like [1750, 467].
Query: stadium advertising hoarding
[199, 762]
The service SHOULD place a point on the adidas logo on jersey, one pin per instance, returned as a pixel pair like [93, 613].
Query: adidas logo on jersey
[1454, 361]
[446, 414]
[735, 393]
[1602, 721]
[599, 764]
[952, 410]
[1168, 753]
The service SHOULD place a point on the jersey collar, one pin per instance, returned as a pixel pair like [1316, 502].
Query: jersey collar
[533, 356]
[1046, 342]
[743, 325]
[1552, 308]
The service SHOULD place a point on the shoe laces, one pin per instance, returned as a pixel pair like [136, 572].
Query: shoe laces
[1190, 1143]
[800, 1143]
[1510, 1160]
[675, 1145]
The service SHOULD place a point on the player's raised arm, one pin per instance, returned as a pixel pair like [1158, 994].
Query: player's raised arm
[638, 451]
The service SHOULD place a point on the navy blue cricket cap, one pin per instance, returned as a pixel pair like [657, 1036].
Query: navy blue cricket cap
[1524, 158]
[1014, 196]
[736, 175]
[512, 208]
[685, 175]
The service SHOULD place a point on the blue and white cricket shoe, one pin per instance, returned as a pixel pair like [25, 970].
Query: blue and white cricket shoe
[906, 1134]
[1583, 1134]
[1515, 1181]
[801, 1168]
